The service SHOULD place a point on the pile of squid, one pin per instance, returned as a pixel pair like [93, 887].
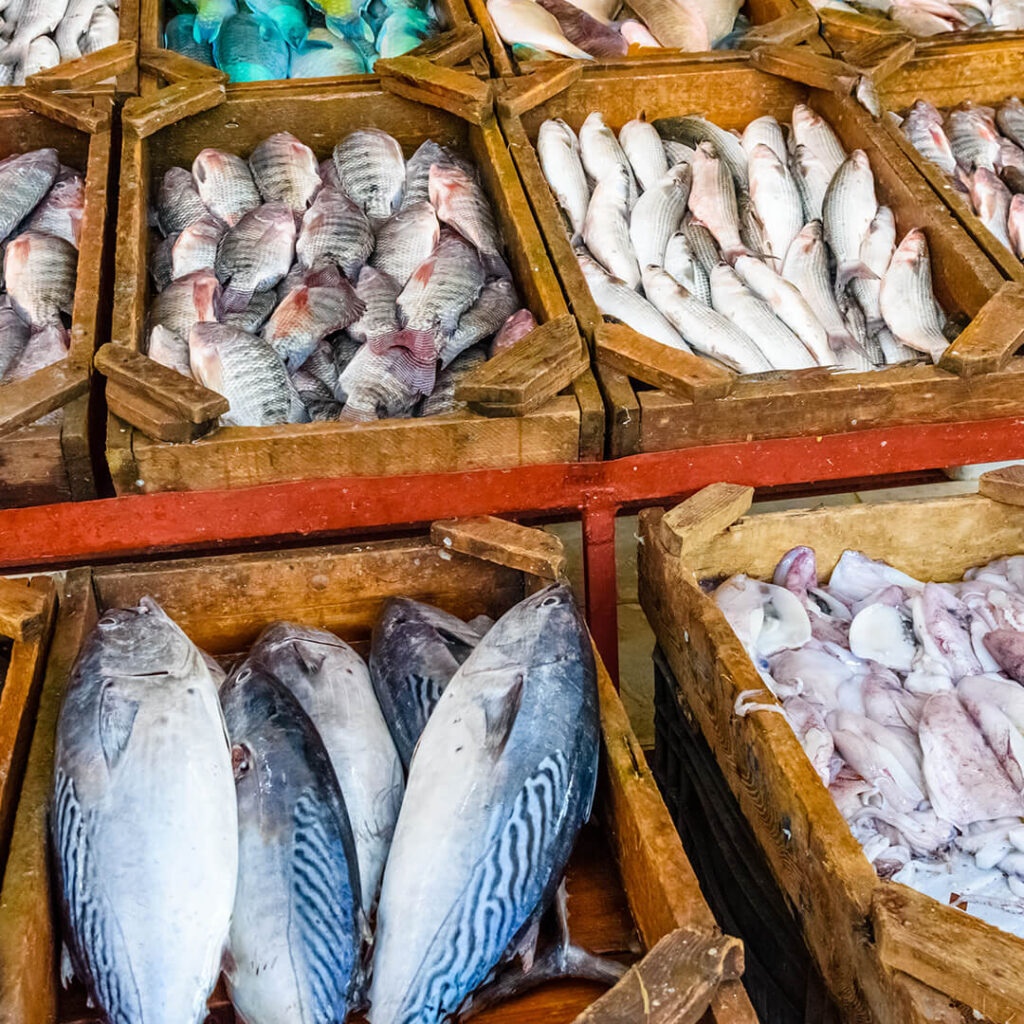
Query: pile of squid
[762, 251]
[908, 698]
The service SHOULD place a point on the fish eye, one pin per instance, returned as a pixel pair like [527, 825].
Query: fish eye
[548, 602]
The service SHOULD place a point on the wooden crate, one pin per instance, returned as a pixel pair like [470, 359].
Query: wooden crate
[630, 884]
[887, 952]
[51, 463]
[567, 427]
[686, 408]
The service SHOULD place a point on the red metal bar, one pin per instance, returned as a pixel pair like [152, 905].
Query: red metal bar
[599, 582]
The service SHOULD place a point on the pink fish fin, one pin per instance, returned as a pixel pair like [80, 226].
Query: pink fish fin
[234, 300]
[851, 270]
[417, 374]
[962, 180]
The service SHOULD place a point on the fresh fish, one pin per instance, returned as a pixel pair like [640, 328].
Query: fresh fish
[25, 178]
[495, 304]
[179, 35]
[642, 145]
[1015, 225]
[36, 18]
[1007, 648]
[379, 294]
[250, 48]
[372, 170]
[595, 37]
[417, 170]
[606, 229]
[402, 31]
[865, 353]
[255, 254]
[657, 215]
[169, 349]
[559, 152]
[255, 315]
[14, 334]
[603, 10]
[519, 753]
[602, 154]
[462, 204]
[324, 55]
[442, 399]
[973, 137]
[1010, 120]
[751, 229]
[332, 683]
[378, 386]
[322, 366]
[682, 263]
[990, 199]
[334, 232]
[810, 129]
[290, 16]
[693, 130]
[923, 127]
[847, 212]
[776, 200]
[637, 34]
[893, 350]
[526, 22]
[186, 302]
[104, 30]
[45, 346]
[764, 131]
[754, 317]
[513, 330]
[285, 171]
[210, 18]
[71, 28]
[679, 25]
[247, 372]
[702, 245]
[39, 274]
[405, 241]
[223, 183]
[875, 253]
[196, 246]
[713, 200]
[144, 849]
[343, 18]
[61, 211]
[906, 298]
[42, 53]
[677, 152]
[295, 939]
[812, 179]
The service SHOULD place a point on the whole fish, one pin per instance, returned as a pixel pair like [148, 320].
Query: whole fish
[606, 229]
[702, 245]
[179, 35]
[334, 232]
[42, 53]
[990, 199]
[559, 153]
[381, 386]
[293, 949]
[36, 18]
[255, 315]
[693, 130]
[72, 26]
[526, 22]
[810, 129]
[513, 330]
[402, 31]
[657, 215]
[812, 179]
[210, 18]
[601, 153]
[776, 199]
[323, 55]
[707, 330]
[104, 30]
[144, 849]
[321, 365]
[196, 246]
[39, 274]
[332, 683]
[61, 211]
[875, 253]
[713, 200]
[169, 349]
[923, 127]
[417, 170]
[637, 34]
[619, 301]
[906, 298]
[520, 752]
[14, 334]
[45, 346]
[25, 178]
[683, 265]
[595, 37]
[250, 48]
[752, 233]
[495, 304]
[679, 25]
[255, 254]
[1010, 120]
[462, 204]
[764, 131]
[224, 184]
[642, 145]
[178, 203]
[847, 210]
[405, 241]
[754, 317]
[290, 16]
[247, 372]
[186, 302]
[1010, 155]
[285, 171]
[973, 137]
[379, 294]
[372, 170]
[1015, 225]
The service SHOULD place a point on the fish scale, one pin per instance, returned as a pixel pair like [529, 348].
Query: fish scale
[255, 254]
[875, 252]
[405, 240]
[657, 214]
[693, 130]
[14, 334]
[1010, 119]
[906, 297]
[462, 204]
[196, 247]
[847, 210]
[683, 265]
[606, 228]
[417, 171]
[373, 386]
[379, 293]
[601, 153]
[713, 199]
[224, 184]
[61, 211]
[559, 153]
[334, 231]
[495, 304]
[372, 170]
[39, 274]
[25, 178]
[642, 145]
[285, 171]
[186, 302]
[973, 138]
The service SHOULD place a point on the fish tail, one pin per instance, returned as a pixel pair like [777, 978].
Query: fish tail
[853, 270]
[234, 300]
[732, 255]
[838, 341]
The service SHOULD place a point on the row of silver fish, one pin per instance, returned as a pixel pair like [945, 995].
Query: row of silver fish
[982, 150]
[41, 207]
[250, 820]
[39, 34]
[358, 288]
[935, 17]
[761, 251]
[908, 698]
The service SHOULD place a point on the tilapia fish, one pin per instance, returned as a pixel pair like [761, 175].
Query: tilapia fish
[372, 171]
[495, 304]
[179, 201]
[255, 254]
[24, 179]
[39, 274]
[285, 171]
[224, 185]
[192, 299]
[512, 747]
[334, 231]
[196, 247]
[405, 240]
[462, 204]
[61, 211]
[144, 820]
[295, 937]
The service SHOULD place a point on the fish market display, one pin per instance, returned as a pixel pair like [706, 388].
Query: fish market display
[592, 29]
[241, 821]
[261, 40]
[39, 34]
[934, 17]
[908, 698]
[766, 250]
[982, 150]
[356, 288]
[41, 207]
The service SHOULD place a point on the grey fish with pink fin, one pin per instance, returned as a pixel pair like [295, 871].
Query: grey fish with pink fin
[169, 349]
[25, 178]
[45, 346]
[513, 330]
[178, 202]
[923, 127]
[334, 231]
[847, 211]
[379, 293]
[39, 274]
[405, 240]
[907, 301]
[224, 184]
[196, 247]
[255, 254]
[255, 315]
[285, 171]
[712, 199]
[329, 174]
[192, 299]
[417, 170]
[442, 399]
[606, 227]
[496, 302]
[62, 209]
[14, 334]
[376, 386]
[586, 32]
[462, 204]
[372, 171]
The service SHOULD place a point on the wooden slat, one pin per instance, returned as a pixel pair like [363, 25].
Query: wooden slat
[990, 340]
[152, 418]
[23, 402]
[176, 67]
[1006, 485]
[803, 65]
[83, 72]
[879, 56]
[692, 523]
[23, 611]
[455, 91]
[148, 114]
[623, 411]
[82, 114]
[677, 372]
[453, 47]
[522, 94]
[788, 30]
[497, 540]
[588, 395]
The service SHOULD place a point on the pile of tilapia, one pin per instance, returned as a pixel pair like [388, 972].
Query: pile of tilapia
[982, 150]
[41, 207]
[908, 698]
[39, 34]
[271, 39]
[933, 17]
[766, 251]
[250, 821]
[589, 29]
[356, 289]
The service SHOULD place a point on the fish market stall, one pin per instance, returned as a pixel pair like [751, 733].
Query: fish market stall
[58, 175]
[405, 604]
[909, 903]
[533, 401]
[836, 369]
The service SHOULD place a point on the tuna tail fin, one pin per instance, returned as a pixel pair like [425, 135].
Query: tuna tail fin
[234, 300]
[853, 270]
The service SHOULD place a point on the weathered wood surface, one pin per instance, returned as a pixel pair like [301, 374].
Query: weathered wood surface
[418, 79]
[155, 420]
[803, 65]
[990, 340]
[24, 402]
[497, 540]
[878, 56]
[24, 610]
[798, 26]
[521, 94]
[450, 48]
[145, 115]
[175, 67]
[694, 522]
[1006, 485]
[75, 112]
[79, 74]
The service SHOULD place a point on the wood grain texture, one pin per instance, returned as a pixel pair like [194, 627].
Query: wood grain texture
[455, 91]
[80, 74]
[145, 115]
[24, 610]
[24, 402]
[175, 67]
[803, 65]
[450, 48]
[878, 56]
[152, 418]
[1006, 484]
[694, 522]
[75, 112]
[521, 94]
[991, 339]
[799, 25]
[497, 540]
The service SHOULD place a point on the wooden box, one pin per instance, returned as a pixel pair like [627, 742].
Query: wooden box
[687, 408]
[567, 427]
[41, 464]
[887, 952]
[629, 884]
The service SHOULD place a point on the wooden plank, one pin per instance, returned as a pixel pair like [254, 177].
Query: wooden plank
[23, 402]
[176, 67]
[32, 468]
[145, 115]
[795, 27]
[82, 114]
[673, 370]
[497, 540]
[1006, 485]
[990, 340]
[522, 94]
[154, 419]
[803, 65]
[877, 57]
[455, 46]
[417, 79]
[623, 411]
[692, 523]
[588, 395]
[23, 610]
[83, 72]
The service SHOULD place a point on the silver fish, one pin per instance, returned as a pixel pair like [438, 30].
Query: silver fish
[104, 30]
[812, 179]
[39, 274]
[160, 260]
[657, 215]
[642, 145]
[606, 229]
[334, 231]
[255, 254]
[72, 26]
[143, 848]
[405, 240]
[1010, 119]
[321, 365]
[169, 349]
[847, 211]
[442, 399]
[601, 153]
[702, 245]
[973, 137]
[378, 386]
[45, 346]
[225, 185]
[713, 200]
[372, 170]
[693, 130]
[990, 199]
[36, 18]
[764, 131]
[178, 201]
[285, 171]
[379, 293]
[25, 178]
[495, 304]
[559, 153]
[923, 127]
[462, 204]
[417, 170]
[255, 315]
[906, 299]
[875, 253]
[810, 129]
[192, 299]
[61, 211]
[776, 200]
[196, 247]
[867, 353]
[14, 334]
[683, 265]
[893, 350]
[295, 938]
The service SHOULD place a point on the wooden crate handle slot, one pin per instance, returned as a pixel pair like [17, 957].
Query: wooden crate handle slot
[879, 56]
[795, 27]
[79, 113]
[1005, 485]
[989, 341]
[24, 610]
[497, 540]
[23, 402]
[176, 67]
[801, 64]
[704, 515]
[414, 78]
[145, 115]
[87, 71]
[522, 94]
[673, 984]
[680, 373]
[522, 378]
[453, 47]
